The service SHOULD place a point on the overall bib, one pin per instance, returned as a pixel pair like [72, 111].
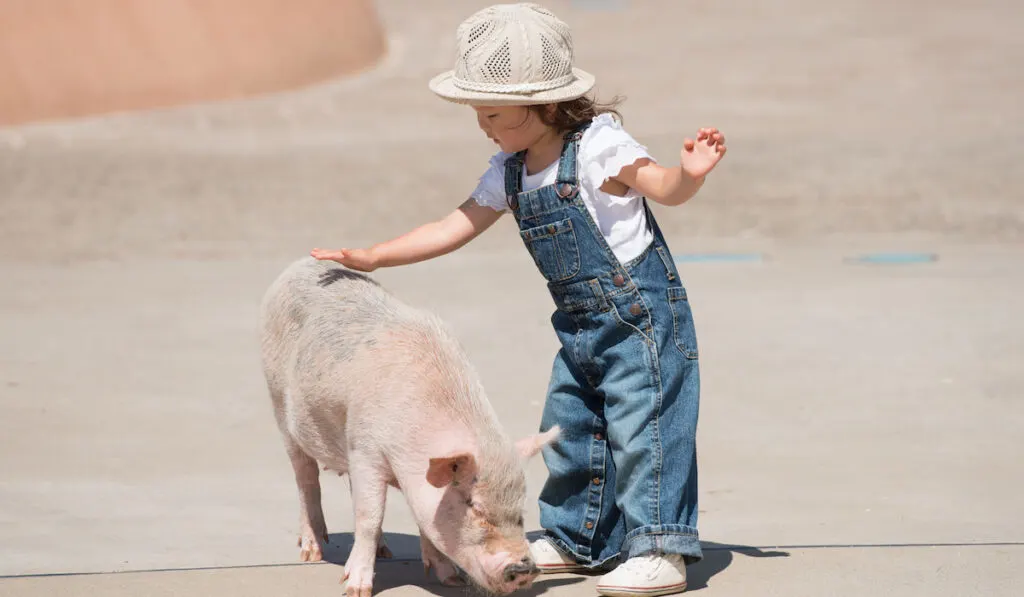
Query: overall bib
[625, 384]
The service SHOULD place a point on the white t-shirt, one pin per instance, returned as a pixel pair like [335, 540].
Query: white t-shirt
[604, 150]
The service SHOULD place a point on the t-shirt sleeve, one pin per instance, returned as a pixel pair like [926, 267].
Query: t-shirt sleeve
[605, 149]
[490, 190]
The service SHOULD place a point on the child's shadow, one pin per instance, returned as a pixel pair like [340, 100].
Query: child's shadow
[405, 568]
[718, 557]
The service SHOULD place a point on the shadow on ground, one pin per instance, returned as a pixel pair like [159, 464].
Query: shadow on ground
[718, 557]
[405, 567]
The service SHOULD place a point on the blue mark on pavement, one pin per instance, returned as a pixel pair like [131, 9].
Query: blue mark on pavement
[880, 258]
[894, 258]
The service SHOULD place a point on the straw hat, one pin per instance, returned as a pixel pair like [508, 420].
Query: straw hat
[513, 54]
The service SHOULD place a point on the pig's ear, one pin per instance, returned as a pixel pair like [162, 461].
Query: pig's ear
[531, 444]
[452, 469]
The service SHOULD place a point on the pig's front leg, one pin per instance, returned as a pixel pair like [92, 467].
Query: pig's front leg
[369, 491]
[312, 528]
[383, 551]
[443, 567]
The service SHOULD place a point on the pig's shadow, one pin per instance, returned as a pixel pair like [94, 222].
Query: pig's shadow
[406, 569]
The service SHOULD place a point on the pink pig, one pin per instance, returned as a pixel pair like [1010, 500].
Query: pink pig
[367, 385]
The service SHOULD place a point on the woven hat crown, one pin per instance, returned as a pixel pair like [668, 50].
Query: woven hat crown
[513, 48]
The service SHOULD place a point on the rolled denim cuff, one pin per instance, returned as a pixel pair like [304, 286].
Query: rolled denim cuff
[663, 539]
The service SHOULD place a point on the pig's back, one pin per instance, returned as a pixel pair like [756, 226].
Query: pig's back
[337, 347]
[318, 312]
[309, 288]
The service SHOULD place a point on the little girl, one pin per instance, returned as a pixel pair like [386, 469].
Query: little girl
[624, 388]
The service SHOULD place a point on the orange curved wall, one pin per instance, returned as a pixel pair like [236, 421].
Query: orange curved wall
[67, 58]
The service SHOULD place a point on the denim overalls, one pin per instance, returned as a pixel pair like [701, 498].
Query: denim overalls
[624, 386]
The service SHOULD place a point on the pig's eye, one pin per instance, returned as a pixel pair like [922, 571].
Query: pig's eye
[520, 522]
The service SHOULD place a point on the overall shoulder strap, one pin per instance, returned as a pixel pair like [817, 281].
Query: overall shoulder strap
[567, 183]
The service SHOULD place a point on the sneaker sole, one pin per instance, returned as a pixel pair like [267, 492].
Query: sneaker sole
[638, 592]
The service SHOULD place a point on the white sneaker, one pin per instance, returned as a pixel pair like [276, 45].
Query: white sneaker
[549, 559]
[645, 576]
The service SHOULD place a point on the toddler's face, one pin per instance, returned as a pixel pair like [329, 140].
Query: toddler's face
[513, 128]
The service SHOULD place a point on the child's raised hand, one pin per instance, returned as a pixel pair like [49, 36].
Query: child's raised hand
[698, 158]
[357, 259]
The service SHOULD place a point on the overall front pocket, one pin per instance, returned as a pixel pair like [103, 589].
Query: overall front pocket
[683, 330]
[554, 250]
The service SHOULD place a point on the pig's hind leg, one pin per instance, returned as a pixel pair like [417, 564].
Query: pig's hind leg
[368, 480]
[312, 528]
[383, 551]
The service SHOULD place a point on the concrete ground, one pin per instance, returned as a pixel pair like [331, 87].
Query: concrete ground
[860, 421]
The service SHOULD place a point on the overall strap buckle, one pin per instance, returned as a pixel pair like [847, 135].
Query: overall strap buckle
[566, 190]
[566, 185]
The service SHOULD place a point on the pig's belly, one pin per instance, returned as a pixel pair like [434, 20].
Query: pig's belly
[330, 457]
[320, 435]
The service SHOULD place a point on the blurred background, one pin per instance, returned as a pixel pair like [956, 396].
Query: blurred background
[854, 265]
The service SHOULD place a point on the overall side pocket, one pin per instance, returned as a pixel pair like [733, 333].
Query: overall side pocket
[683, 329]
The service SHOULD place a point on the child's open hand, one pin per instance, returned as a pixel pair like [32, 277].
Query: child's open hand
[698, 158]
[357, 259]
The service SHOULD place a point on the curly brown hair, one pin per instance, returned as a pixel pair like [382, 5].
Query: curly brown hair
[565, 116]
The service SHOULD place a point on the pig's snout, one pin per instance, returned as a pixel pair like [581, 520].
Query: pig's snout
[521, 572]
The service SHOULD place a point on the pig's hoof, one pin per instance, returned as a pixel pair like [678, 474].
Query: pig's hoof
[309, 550]
[358, 590]
[358, 583]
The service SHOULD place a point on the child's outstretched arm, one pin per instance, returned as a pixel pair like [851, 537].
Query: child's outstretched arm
[674, 186]
[425, 242]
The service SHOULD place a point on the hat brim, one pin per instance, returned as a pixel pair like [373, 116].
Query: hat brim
[445, 87]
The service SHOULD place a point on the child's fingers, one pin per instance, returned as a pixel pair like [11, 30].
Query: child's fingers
[688, 144]
[709, 133]
[325, 254]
